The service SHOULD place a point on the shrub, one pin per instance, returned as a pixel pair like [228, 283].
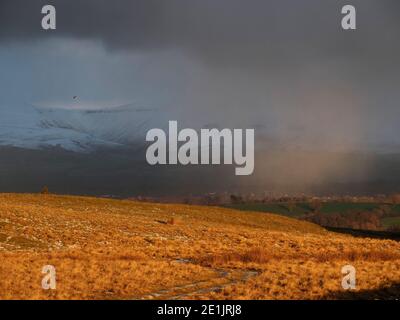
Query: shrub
[45, 190]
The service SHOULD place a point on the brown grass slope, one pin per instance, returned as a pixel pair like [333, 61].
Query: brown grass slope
[119, 249]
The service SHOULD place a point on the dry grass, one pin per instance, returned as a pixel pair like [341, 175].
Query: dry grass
[264, 256]
[111, 249]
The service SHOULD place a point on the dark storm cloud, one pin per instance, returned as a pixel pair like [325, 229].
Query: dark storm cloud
[284, 67]
[228, 32]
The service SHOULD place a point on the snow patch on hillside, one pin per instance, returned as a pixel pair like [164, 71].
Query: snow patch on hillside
[77, 130]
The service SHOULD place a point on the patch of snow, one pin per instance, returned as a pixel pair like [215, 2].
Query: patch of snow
[73, 129]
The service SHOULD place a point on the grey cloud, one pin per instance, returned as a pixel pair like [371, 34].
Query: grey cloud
[282, 66]
[238, 32]
[287, 61]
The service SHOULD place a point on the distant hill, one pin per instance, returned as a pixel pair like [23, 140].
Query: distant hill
[358, 215]
[124, 172]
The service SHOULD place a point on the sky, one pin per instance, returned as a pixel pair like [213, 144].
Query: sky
[285, 66]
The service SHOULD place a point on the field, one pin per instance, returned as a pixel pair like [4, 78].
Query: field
[391, 221]
[299, 210]
[120, 249]
[302, 208]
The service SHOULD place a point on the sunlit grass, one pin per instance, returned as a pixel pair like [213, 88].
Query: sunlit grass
[114, 249]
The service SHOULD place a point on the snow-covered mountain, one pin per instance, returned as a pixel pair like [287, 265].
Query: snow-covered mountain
[83, 129]
[80, 130]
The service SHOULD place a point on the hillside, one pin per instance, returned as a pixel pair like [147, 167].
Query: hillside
[113, 249]
[355, 215]
[74, 128]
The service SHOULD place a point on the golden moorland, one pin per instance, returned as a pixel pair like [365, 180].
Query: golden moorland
[120, 249]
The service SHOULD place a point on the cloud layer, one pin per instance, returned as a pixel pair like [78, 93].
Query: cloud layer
[284, 67]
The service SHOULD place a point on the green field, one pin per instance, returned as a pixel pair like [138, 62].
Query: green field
[298, 210]
[278, 208]
[339, 207]
[391, 222]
